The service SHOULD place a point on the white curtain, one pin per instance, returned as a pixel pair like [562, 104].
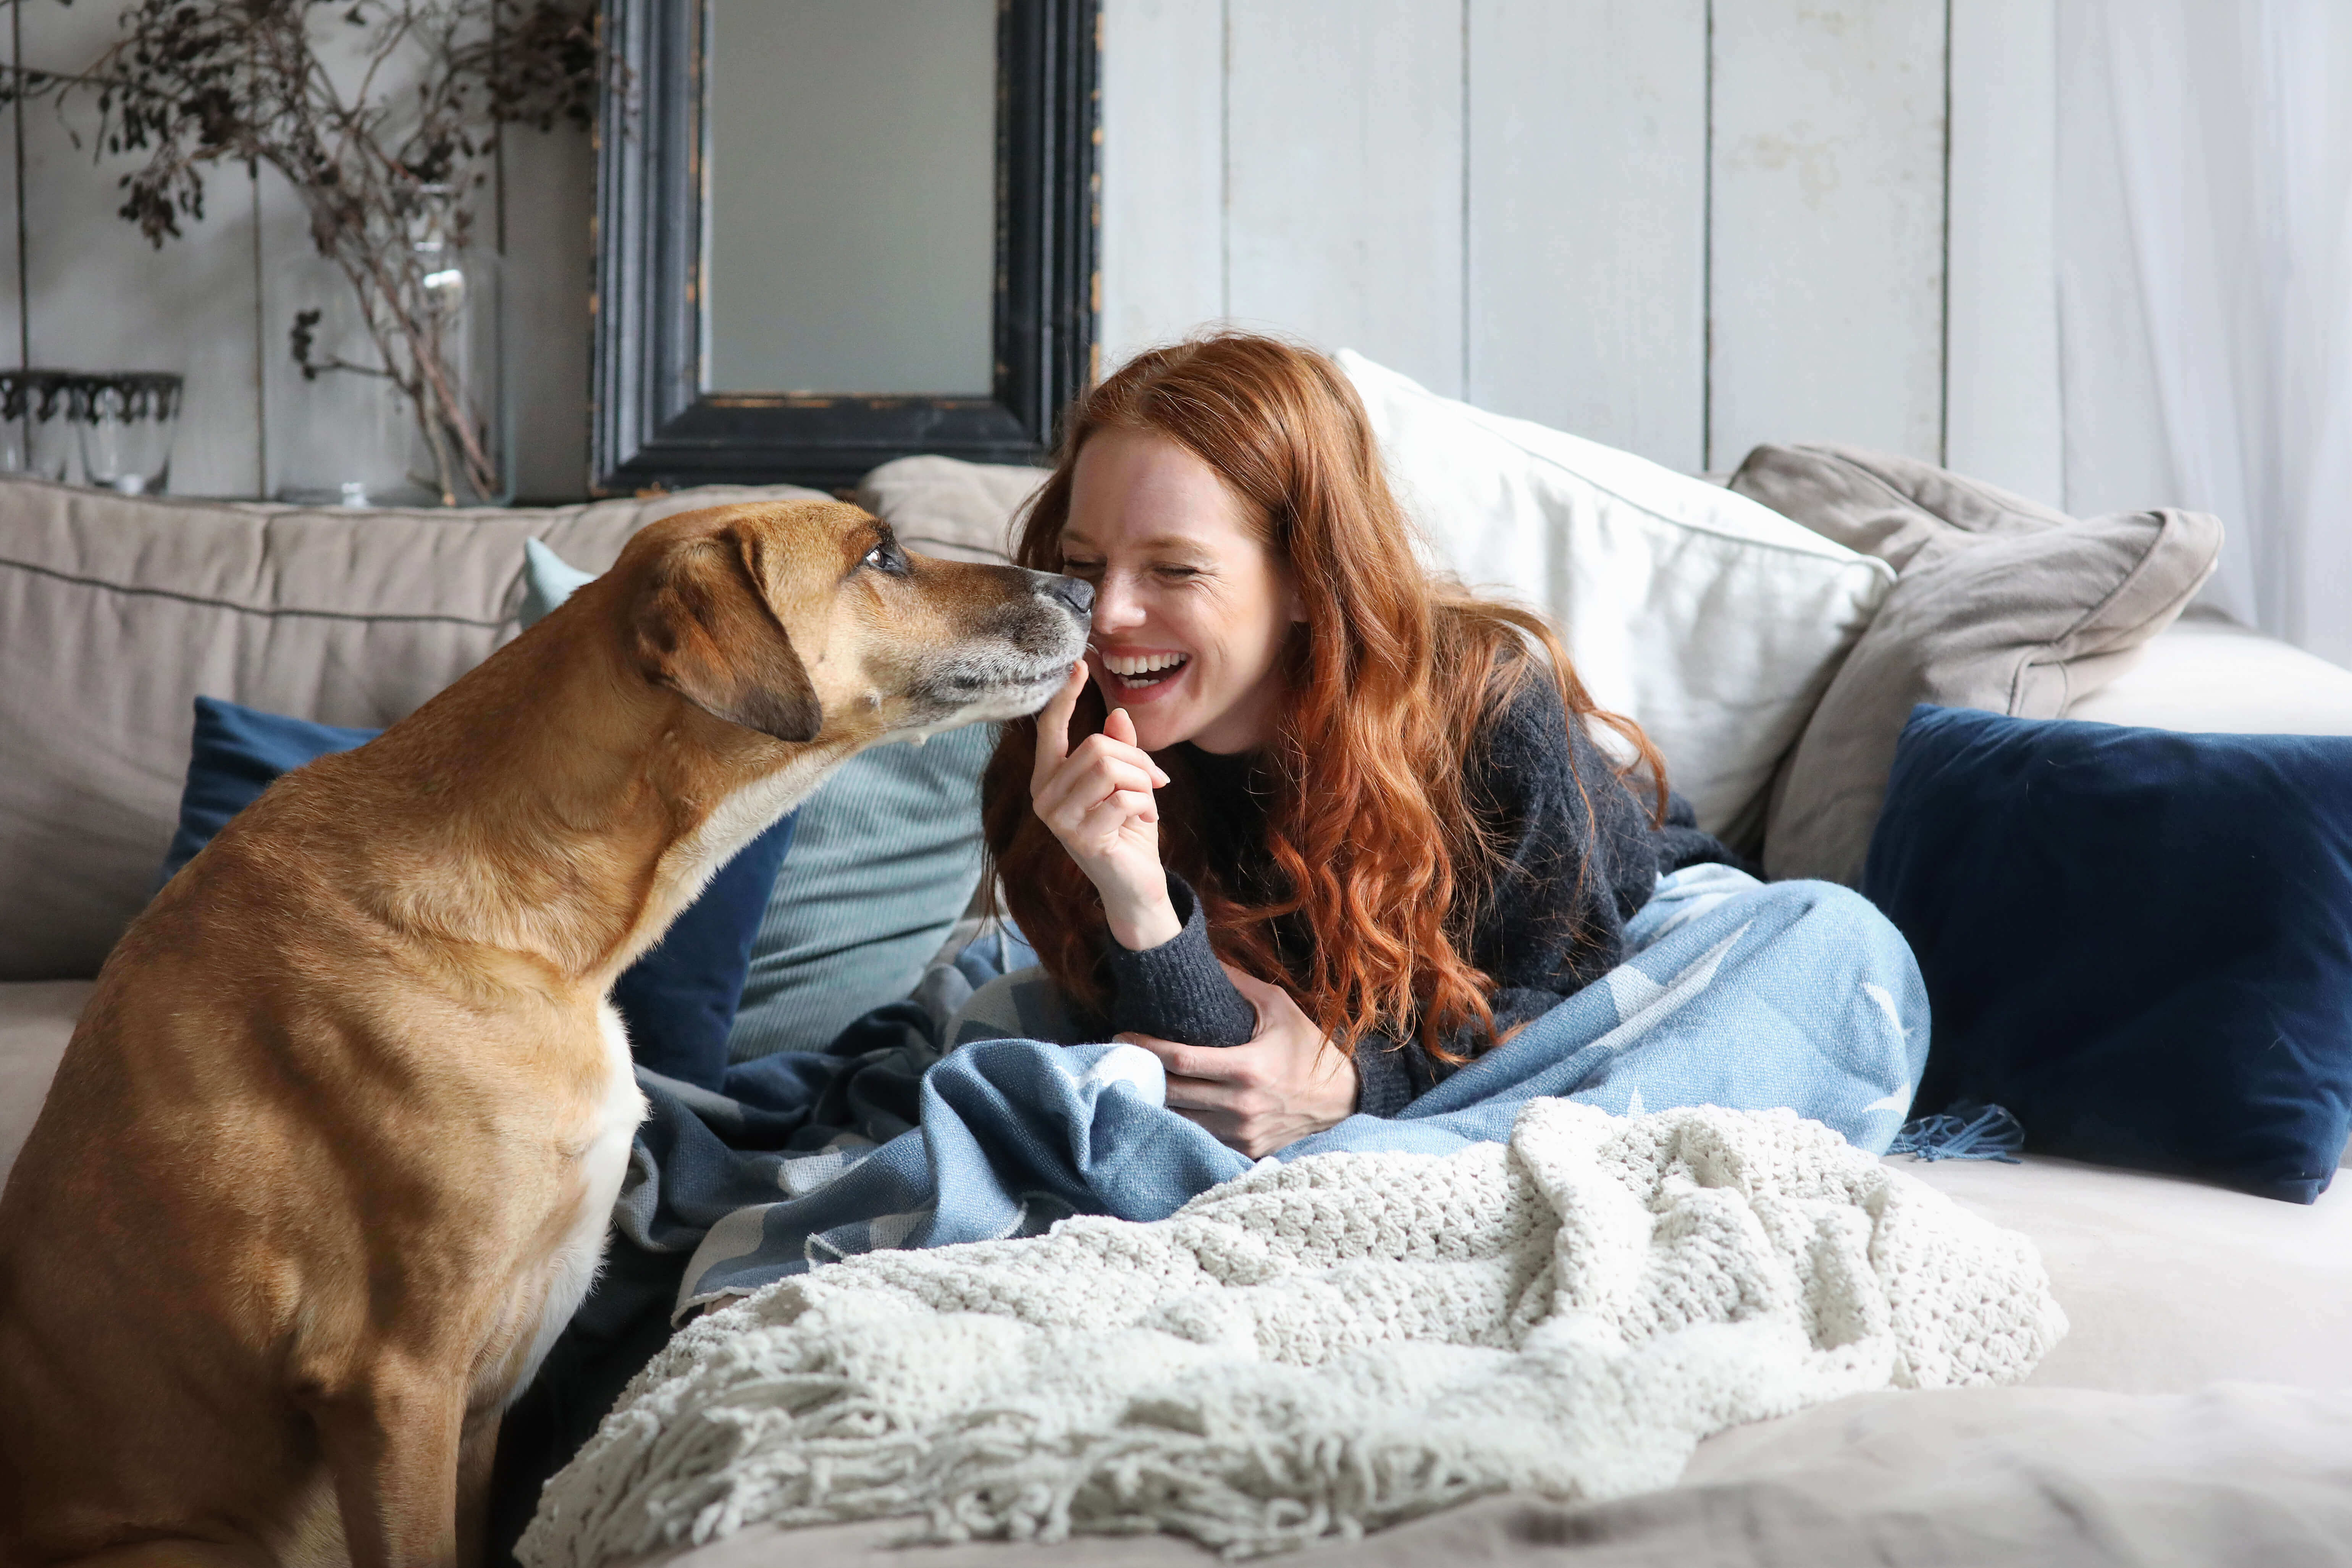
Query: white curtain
[2205, 286]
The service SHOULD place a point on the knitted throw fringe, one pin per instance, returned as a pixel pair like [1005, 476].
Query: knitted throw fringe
[1320, 1349]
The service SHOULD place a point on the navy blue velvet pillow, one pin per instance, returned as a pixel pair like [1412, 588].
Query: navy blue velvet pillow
[239, 752]
[2139, 942]
[679, 999]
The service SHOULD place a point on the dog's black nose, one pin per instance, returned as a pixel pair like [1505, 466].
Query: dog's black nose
[1079, 596]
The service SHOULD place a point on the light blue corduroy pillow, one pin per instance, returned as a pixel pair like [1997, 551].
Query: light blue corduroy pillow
[885, 857]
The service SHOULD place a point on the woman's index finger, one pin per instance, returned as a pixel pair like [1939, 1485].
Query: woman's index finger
[1053, 723]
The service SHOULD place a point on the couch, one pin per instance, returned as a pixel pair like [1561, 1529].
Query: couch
[2177, 1290]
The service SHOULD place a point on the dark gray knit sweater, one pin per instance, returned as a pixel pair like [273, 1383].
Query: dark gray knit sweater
[1553, 923]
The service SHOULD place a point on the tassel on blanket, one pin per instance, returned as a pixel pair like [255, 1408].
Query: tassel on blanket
[1967, 1132]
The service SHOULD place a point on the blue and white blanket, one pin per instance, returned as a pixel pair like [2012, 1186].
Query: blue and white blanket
[1736, 993]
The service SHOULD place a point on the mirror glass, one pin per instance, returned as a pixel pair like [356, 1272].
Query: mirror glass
[851, 149]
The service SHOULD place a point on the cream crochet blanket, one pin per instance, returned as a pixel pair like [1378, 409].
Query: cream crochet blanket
[1321, 1348]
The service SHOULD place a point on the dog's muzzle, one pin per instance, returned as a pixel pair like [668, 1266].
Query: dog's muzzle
[1021, 655]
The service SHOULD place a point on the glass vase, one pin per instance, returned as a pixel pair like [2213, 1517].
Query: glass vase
[360, 439]
[461, 440]
[126, 420]
[36, 428]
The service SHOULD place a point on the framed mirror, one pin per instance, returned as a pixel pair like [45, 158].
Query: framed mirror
[835, 232]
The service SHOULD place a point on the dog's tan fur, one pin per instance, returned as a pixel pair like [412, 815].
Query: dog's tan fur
[328, 1162]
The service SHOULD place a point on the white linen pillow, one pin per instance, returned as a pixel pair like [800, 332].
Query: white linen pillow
[1713, 621]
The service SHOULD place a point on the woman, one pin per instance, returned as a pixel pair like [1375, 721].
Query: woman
[1331, 828]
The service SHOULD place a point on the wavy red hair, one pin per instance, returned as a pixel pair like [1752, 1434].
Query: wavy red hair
[1389, 679]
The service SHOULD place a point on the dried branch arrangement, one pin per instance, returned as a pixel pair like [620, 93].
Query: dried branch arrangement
[380, 114]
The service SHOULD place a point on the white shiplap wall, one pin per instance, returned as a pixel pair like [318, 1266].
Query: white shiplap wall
[1680, 226]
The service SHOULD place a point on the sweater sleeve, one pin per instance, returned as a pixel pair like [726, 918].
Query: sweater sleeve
[1177, 991]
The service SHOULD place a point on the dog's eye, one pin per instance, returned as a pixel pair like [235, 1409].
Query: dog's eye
[883, 558]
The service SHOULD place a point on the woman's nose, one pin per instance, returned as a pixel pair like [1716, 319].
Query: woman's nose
[1117, 606]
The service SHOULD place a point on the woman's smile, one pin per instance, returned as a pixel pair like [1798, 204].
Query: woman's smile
[1134, 676]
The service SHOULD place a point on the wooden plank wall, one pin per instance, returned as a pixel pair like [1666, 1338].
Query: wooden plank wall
[1679, 226]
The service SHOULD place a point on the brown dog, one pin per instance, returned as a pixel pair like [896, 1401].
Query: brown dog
[328, 1164]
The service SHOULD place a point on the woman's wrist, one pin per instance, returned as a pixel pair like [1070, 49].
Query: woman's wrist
[1140, 924]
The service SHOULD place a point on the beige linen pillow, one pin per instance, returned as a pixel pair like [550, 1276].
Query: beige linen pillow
[115, 612]
[2001, 604]
[947, 507]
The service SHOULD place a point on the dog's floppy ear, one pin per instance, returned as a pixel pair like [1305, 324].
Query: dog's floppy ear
[704, 629]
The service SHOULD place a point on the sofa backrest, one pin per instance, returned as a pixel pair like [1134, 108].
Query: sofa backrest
[116, 613]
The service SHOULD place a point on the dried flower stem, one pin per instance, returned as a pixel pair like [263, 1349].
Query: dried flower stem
[194, 83]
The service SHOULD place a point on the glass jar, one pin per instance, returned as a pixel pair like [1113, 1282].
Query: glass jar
[37, 429]
[126, 420]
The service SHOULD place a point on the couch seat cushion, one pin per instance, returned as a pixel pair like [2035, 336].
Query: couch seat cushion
[2243, 1475]
[2171, 1284]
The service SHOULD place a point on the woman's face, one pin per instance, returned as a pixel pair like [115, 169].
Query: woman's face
[1191, 607]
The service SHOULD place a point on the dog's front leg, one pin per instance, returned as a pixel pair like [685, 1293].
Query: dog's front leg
[393, 1450]
[478, 1449]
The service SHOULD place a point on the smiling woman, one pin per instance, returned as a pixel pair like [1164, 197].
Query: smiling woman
[1301, 802]
[1193, 606]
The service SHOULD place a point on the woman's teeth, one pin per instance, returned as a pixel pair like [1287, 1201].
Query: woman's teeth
[1144, 669]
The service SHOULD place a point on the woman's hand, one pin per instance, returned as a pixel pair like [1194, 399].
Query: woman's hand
[1286, 1083]
[1096, 799]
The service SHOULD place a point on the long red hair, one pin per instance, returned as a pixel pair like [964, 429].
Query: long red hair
[1389, 678]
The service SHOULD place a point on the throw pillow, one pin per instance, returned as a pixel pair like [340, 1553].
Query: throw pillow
[1711, 619]
[2138, 941]
[2001, 605]
[679, 999]
[235, 754]
[947, 507]
[887, 860]
[885, 855]
[548, 580]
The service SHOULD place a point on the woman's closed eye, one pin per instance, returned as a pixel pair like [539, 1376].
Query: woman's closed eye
[1091, 570]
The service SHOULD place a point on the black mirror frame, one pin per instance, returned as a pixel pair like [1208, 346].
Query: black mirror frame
[652, 427]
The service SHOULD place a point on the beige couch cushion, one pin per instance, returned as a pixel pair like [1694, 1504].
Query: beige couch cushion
[1999, 604]
[2023, 1477]
[2171, 1284]
[2209, 674]
[945, 506]
[116, 613]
